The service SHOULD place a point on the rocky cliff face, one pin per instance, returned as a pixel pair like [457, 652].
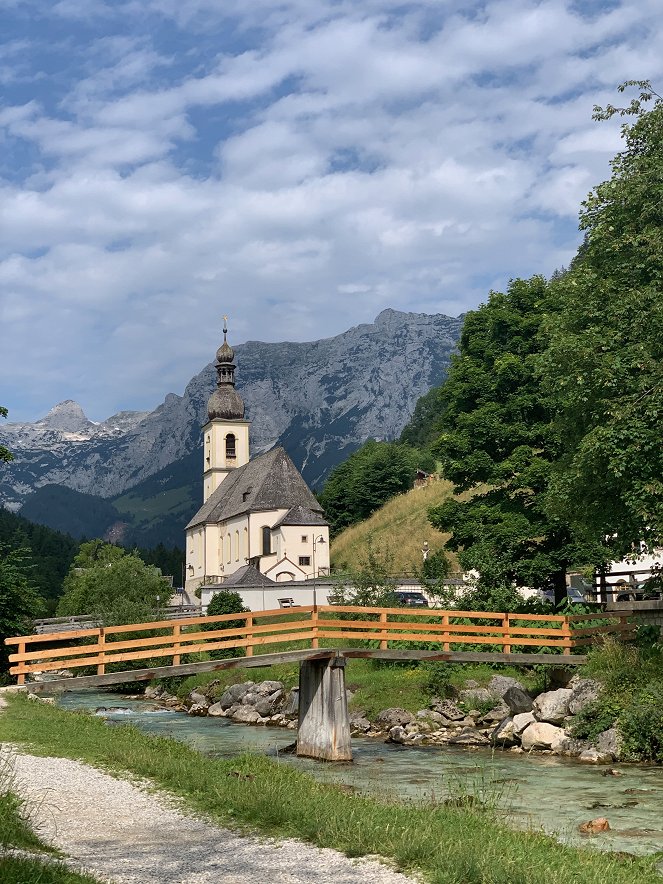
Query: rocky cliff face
[320, 399]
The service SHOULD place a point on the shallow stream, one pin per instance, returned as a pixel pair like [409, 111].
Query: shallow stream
[534, 791]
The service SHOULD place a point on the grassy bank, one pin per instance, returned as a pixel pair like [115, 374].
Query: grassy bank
[449, 845]
[16, 834]
[375, 686]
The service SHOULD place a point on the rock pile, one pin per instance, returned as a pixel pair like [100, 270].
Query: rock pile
[515, 720]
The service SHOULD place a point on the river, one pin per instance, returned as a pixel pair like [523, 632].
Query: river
[537, 791]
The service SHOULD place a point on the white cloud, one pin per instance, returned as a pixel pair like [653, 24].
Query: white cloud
[300, 165]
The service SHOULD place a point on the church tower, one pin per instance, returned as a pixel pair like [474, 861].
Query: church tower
[226, 433]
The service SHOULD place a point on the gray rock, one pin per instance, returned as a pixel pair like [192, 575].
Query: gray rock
[521, 721]
[496, 714]
[246, 714]
[500, 684]
[584, 692]
[390, 718]
[216, 710]
[197, 709]
[553, 706]
[593, 756]
[291, 705]
[198, 699]
[610, 742]
[227, 701]
[430, 715]
[268, 706]
[250, 698]
[237, 691]
[542, 735]
[397, 734]
[153, 692]
[504, 734]
[268, 687]
[517, 700]
[469, 737]
[359, 723]
[448, 710]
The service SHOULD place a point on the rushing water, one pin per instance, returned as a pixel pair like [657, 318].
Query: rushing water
[535, 791]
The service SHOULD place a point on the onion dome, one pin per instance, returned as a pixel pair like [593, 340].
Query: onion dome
[225, 403]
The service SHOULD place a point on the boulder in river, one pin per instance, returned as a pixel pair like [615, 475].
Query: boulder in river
[593, 827]
[390, 718]
[553, 706]
[517, 700]
[542, 735]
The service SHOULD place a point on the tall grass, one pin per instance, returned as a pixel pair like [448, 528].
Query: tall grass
[448, 845]
[401, 526]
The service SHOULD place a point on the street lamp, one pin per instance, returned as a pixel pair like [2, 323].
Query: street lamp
[321, 541]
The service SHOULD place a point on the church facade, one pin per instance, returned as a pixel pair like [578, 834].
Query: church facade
[258, 514]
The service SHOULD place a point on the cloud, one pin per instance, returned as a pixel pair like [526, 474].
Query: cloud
[299, 165]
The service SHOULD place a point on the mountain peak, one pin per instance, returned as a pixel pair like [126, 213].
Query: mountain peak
[67, 416]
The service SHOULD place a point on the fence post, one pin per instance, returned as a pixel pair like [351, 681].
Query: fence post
[249, 635]
[566, 633]
[383, 627]
[506, 635]
[101, 644]
[177, 631]
[21, 650]
[314, 626]
[445, 635]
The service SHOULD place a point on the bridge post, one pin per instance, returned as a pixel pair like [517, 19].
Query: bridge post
[324, 726]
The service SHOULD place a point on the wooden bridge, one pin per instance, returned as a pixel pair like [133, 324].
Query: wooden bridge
[320, 638]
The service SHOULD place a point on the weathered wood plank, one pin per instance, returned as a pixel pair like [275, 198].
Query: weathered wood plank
[324, 725]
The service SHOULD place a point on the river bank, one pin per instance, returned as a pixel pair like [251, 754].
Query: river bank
[446, 842]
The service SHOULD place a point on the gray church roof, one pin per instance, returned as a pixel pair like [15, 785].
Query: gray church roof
[247, 575]
[301, 515]
[270, 481]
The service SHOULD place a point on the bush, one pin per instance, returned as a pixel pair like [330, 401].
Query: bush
[225, 602]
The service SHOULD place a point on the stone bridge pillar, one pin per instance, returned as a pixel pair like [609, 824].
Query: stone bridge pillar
[324, 726]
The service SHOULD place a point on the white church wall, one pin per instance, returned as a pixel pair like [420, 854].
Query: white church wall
[267, 598]
[296, 541]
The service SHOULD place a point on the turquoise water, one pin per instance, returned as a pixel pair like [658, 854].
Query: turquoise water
[541, 792]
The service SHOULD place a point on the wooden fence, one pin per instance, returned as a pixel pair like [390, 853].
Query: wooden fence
[383, 628]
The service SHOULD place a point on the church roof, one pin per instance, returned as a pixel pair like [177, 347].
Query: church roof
[247, 575]
[301, 515]
[270, 481]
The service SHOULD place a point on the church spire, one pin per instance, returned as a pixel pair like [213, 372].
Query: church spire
[225, 403]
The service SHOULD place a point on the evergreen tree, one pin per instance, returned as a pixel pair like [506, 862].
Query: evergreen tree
[20, 602]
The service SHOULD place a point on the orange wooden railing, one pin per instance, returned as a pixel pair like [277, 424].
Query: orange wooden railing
[382, 626]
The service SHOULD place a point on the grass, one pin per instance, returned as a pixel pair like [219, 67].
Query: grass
[448, 845]
[16, 833]
[404, 517]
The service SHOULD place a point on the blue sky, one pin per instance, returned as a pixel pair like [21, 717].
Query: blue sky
[297, 164]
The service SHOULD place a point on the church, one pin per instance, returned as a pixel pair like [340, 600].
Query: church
[259, 523]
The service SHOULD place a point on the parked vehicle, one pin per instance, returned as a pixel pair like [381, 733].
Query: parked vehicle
[411, 599]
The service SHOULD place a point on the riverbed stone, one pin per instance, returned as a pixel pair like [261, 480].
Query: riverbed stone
[198, 699]
[496, 714]
[474, 696]
[541, 735]
[469, 737]
[593, 756]
[246, 715]
[269, 705]
[500, 684]
[447, 709]
[610, 742]
[216, 710]
[585, 691]
[553, 706]
[268, 687]
[521, 721]
[397, 734]
[291, 705]
[517, 700]
[593, 827]
[430, 715]
[198, 709]
[504, 734]
[390, 718]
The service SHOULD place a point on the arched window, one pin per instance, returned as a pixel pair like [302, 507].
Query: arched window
[231, 451]
[245, 543]
[237, 546]
[266, 540]
[227, 545]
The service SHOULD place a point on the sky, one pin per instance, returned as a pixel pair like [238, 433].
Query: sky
[298, 165]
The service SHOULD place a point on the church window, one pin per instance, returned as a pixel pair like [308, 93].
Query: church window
[227, 545]
[304, 560]
[304, 538]
[266, 540]
[237, 546]
[230, 446]
[245, 544]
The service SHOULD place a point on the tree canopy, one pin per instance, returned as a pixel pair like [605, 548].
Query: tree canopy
[19, 600]
[5, 453]
[367, 479]
[116, 586]
[603, 367]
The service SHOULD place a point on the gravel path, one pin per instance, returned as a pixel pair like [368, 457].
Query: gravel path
[120, 832]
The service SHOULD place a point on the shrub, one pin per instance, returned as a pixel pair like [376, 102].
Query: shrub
[225, 602]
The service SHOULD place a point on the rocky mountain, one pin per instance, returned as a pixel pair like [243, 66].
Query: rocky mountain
[319, 399]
